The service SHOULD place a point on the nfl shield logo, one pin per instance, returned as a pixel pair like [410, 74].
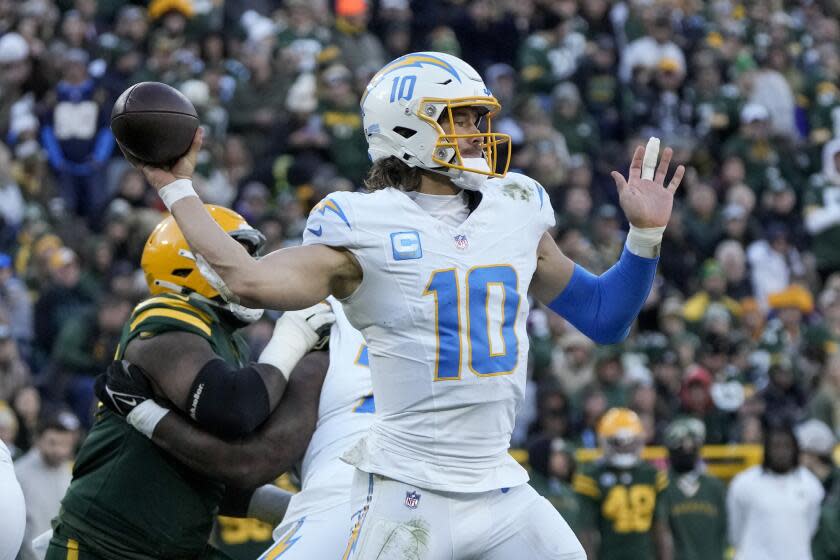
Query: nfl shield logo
[412, 499]
[461, 242]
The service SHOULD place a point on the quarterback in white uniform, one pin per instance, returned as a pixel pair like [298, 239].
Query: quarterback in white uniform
[316, 523]
[12, 507]
[434, 267]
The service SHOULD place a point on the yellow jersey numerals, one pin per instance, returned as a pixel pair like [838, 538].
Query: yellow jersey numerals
[630, 508]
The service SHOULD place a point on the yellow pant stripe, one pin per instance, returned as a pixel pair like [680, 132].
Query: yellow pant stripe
[72, 549]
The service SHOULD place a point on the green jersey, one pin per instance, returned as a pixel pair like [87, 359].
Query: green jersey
[695, 505]
[128, 498]
[622, 505]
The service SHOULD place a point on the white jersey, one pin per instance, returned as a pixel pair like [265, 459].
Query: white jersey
[443, 311]
[12, 507]
[345, 412]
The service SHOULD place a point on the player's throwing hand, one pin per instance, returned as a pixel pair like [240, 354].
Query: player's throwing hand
[159, 177]
[646, 202]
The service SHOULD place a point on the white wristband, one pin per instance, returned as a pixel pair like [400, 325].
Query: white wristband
[644, 242]
[146, 416]
[284, 353]
[175, 191]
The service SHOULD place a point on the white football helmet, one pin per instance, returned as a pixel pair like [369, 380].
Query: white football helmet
[403, 102]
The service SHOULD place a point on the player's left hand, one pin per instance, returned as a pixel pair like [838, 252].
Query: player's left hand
[647, 203]
[122, 387]
[159, 177]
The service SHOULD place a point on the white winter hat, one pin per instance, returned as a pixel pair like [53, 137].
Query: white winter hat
[13, 48]
[814, 436]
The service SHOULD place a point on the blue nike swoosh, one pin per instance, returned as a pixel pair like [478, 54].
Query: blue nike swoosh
[316, 232]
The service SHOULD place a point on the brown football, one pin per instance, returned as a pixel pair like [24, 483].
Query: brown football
[154, 123]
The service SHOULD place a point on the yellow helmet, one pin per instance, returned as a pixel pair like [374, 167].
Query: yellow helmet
[622, 436]
[169, 264]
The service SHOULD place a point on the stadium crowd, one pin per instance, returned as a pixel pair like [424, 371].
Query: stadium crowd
[741, 330]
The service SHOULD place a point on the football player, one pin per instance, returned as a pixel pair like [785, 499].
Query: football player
[315, 525]
[434, 267]
[694, 502]
[129, 498]
[620, 495]
[12, 507]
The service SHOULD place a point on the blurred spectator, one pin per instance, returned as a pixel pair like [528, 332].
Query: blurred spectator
[16, 69]
[757, 149]
[64, 298]
[358, 46]
[694, 502]
[27, 407]
[14, 373]
[573, 364]
[340, 119]
[609, 376]
[549, 56]
[77, 137]
[703, 224]
[552, 468]
[774, 263]
[733, 260]
[553, 413]
[578, 127]
[822, 211]
[599, 86]
[713, 291]
[487, 34]
[84, 348]
[770, 89]
[773, 509]
[816, 446]
[817, 442]
[11, 198]
[260, 123]
[44, 474]
[825, 404]
[649, 51]
[9, 429]
[696, 402]
[783, 398]
[15, 303]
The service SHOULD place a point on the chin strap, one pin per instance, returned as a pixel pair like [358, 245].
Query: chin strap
[471, 180]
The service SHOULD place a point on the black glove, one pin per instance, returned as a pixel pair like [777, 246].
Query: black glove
[122, 387]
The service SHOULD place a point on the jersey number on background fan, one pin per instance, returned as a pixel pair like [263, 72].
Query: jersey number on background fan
[492, 302]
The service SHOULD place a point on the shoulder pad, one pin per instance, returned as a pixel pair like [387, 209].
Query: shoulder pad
[169, 312]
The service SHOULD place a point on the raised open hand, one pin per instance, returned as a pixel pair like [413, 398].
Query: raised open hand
[647, 203]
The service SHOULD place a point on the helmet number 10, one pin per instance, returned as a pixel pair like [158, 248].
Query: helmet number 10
[403, 88]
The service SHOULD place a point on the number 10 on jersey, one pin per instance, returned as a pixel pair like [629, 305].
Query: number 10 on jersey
[484, 358]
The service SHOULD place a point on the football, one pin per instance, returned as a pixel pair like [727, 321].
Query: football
[153, 123]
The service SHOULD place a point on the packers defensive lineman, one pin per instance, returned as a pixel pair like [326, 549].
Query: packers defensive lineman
[621, 496]
[129, 499]
[435, 268]
[315, 524]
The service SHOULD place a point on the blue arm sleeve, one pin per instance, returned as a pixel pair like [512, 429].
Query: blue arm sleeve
[50, 143]
[604, 307]
[104, 146]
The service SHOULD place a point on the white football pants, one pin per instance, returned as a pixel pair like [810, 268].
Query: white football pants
[393, 520]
